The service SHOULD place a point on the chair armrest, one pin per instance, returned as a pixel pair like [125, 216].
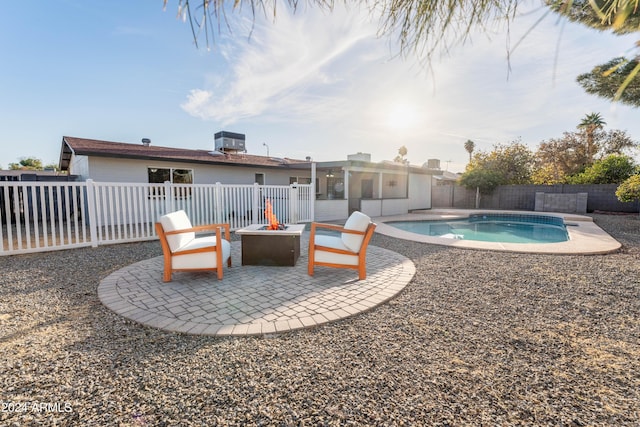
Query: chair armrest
[335, 227]
[213, 227]
[206, 227]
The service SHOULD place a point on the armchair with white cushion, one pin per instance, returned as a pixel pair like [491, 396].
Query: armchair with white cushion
[345, 250]
[183, 251]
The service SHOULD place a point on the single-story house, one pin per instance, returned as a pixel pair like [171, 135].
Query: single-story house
[124, 162]
[377, 189]
[384, 188]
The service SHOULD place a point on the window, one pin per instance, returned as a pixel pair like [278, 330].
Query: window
[175, 176]
[335, 188]
[159, 176]
[259, 179]
[299, 180]
[182, 176]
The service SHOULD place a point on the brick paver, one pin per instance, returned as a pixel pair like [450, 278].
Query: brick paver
[252, 300]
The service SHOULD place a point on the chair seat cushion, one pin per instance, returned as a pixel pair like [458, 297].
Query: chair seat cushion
[331, 242]
[331, 257]
[204, 259]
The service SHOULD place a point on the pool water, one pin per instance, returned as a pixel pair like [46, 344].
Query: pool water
[504, 228]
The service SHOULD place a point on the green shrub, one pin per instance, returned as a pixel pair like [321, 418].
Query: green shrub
[629, 190]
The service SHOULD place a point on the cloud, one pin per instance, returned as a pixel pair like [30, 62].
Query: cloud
[324, 80]
[197, 101]
[289, 68]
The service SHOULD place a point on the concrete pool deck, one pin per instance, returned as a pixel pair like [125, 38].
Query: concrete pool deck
[585, 237]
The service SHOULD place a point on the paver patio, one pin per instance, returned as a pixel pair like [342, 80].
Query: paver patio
[252, 300]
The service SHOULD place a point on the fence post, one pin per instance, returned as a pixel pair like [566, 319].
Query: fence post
[294, 215]
[256, 203]
[168, 197]
[217, 208]
[311, 197]
[92, 212]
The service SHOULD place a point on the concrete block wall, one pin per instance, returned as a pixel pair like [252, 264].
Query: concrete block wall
[601, 197]
[561, 202]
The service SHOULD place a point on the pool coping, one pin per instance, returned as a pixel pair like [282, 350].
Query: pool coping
[585, 237]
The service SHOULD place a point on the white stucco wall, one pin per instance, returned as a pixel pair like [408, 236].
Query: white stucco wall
[420, 191]
[79, 165]
[384, 207]
[128, 170]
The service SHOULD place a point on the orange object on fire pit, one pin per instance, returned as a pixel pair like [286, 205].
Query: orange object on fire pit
[274, 224]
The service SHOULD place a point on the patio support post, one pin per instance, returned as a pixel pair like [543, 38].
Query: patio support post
[312, 192]
[406, 183]
[346, 183]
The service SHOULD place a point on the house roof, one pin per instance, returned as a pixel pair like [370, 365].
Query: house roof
[93, 147]
[447, 176]
[386, 166]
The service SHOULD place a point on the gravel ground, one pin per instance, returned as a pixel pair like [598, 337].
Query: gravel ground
[477, 338]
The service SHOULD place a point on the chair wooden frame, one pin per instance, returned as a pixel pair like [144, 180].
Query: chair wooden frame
[168, 255]
[361, 254]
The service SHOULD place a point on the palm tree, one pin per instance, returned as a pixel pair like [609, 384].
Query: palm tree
[402, 151]
[469, 146]
[590, 123]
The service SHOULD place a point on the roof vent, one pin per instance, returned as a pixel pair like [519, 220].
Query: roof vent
[146, 142]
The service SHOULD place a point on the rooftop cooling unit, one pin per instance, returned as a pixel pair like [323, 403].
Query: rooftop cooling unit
[363, 157]
[229, 142]
[433, 164]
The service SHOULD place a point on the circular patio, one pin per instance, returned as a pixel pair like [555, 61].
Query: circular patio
[252, 300]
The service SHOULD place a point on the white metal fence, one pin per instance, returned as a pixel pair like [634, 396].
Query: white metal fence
[44, 216]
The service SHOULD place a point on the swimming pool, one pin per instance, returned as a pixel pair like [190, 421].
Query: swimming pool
[585, 237]
[503, 228]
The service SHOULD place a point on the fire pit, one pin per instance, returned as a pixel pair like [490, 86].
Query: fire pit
[271, 244]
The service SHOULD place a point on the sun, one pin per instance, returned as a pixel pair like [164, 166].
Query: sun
[401, 117]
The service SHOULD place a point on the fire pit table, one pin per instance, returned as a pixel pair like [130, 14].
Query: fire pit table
[261, 246]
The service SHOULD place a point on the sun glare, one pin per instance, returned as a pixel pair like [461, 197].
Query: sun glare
[401, 117]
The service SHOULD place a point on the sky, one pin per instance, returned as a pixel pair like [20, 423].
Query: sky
[309, 83]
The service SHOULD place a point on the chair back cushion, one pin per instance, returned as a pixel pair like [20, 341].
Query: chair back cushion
[359, 222]
[177, 221]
